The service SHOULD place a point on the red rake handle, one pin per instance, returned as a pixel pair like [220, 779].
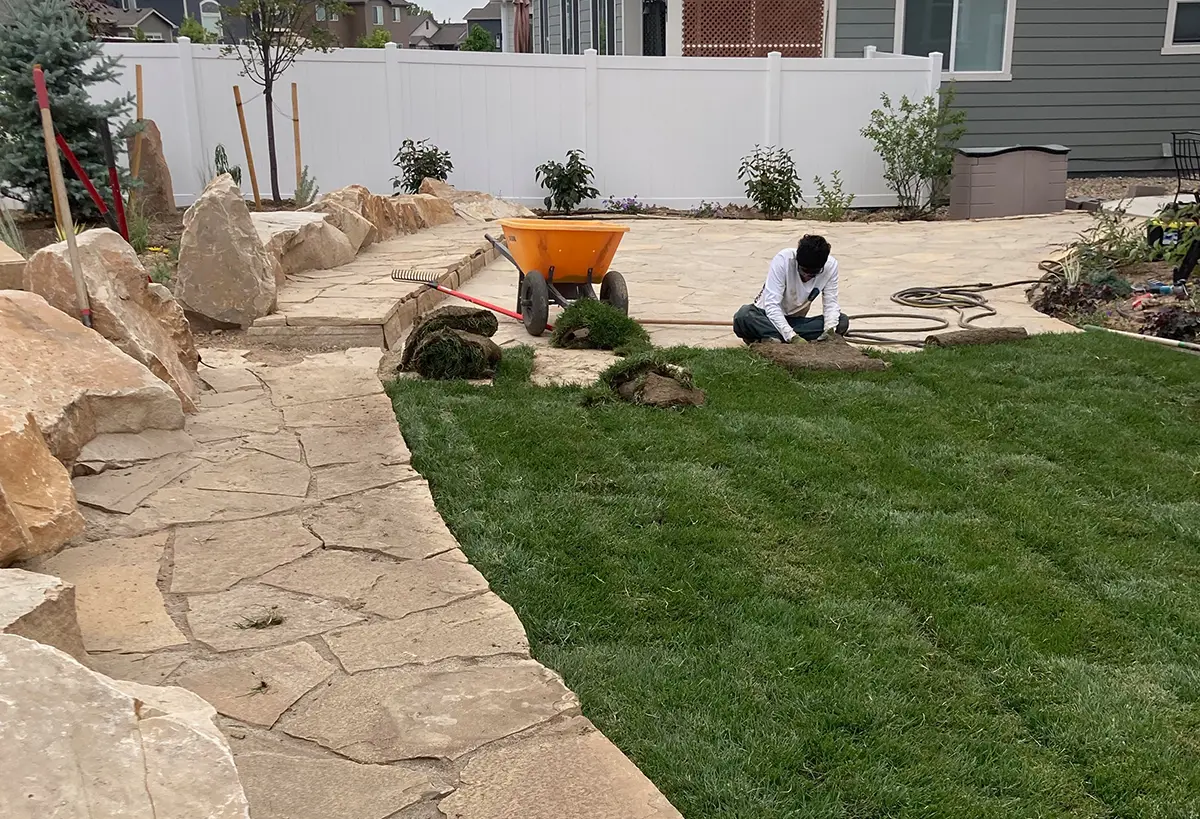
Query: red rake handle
[495, 307]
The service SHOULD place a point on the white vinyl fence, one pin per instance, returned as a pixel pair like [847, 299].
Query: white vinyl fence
[668, 130]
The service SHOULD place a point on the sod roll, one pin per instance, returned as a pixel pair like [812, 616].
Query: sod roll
[982, 335]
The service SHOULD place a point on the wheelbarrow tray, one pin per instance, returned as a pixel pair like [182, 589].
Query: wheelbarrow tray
[565, 251]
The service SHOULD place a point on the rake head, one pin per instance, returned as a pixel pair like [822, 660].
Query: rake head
[408, 274]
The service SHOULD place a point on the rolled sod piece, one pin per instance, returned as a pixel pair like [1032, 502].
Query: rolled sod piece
[982, 335]
[445, 354]
[468, 319]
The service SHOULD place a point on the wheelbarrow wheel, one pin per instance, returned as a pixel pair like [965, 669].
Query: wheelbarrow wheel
[614, 292]
[535, 303]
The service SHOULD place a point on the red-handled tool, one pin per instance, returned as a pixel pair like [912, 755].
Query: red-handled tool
[430, 278]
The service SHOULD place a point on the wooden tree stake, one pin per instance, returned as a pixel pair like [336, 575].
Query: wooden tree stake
[237, 97]
[296, 132]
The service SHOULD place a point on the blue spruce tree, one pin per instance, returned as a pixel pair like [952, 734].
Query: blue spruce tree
[54, 34]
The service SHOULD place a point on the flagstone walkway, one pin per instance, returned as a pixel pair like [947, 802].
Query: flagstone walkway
[281, 558]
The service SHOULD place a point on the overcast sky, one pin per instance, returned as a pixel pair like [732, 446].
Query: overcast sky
[452, 10]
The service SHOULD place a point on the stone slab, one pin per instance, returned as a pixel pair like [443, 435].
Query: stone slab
[380, 444]
[394, 714]
[482, 626]
[338, 481]
[37, 502]
[214, 557]
[572, 770]
[362, 411]
[123, 490]
[148, 669]
[293, 787]
[416, 585]
[256, 688]
[223, 620]
[313, 380]
[333, 575]
[255, 472]
[234, 421]
[400, 520]
[121, 450]
[175, 505]
[41, 608]
[12, 268]
[117, 599]
[228, 379]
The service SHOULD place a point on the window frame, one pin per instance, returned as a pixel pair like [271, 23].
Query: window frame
[1169, 45]
[397, 14]
[1005, 72]
[377, 15]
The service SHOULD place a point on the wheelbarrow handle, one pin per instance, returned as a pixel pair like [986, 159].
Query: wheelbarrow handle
[502, 249]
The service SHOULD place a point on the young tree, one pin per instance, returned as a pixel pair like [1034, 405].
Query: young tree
[195, 31]
[379, 38]
[267, 36]
[54, 34]
[478, 39]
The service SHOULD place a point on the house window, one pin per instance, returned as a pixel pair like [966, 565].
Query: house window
[1183, 27]
[377, 11]
[397, 14]
[321, 17]
[603, 23]
[210, 16]
[974, 36]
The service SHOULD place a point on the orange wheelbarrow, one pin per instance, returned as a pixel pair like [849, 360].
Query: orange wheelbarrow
[561, 260]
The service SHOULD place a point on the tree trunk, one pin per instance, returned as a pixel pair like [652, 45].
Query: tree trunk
[268, 96]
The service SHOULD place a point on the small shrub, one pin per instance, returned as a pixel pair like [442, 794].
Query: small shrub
[771, 181]
[1114, 241]
[378, 38]
[1173, 322]
[478, 39]
[916, 143]
[195, 31]
[139, 36]
[569, 183]
[705, 210]
[139, 228]
[832, 203]
[160, 272]
[307, 190]
[419, 161]
[607, 328]
[10, 234]
[629, 205]
[221, 165]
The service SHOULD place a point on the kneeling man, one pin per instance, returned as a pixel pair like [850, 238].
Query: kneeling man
[794, 280]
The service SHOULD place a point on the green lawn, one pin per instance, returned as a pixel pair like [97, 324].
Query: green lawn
[968, 586]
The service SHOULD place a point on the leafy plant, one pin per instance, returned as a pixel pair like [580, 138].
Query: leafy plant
[378, 38]
[10, 234]
[307, 190]
[629, 204]
[419, 161]
[607, 328]
[1114, 241]
[569, 182]
[916, 142]
[771, 181]
[62, 236]
[478, 39]
[195, 31]
[221, 165]
[139, 36]
[1173, 322]
[832, 203]
[160, 272]
[139, 228]
[270, 35]
[705, 210]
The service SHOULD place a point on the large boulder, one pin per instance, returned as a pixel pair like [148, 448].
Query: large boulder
[431, 211]
[143, 324]
[225, 275]
[392, 215]
[300, 241]
[155, 196]
[42, 608]
[357, 230]
[37, 501]
[74, 742]
[12, 268]
[475, 206]
[76, 383]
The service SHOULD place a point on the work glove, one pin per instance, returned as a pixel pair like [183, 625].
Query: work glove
[828, 334]
[797, 340]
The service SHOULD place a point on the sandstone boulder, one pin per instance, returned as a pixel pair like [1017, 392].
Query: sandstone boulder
[475, 206]
[144, 325]
[301, 241]
[430, 210]
[37, 502]
[12, 268]
[224, 276]
[41, 608]
[76, 383]
[392, 215]
[155, 196]
[358, 231]
[75, 743]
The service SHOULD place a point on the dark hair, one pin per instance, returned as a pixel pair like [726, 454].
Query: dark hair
[812, 252]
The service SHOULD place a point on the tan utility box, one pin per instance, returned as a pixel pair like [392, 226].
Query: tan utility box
[1015, 181]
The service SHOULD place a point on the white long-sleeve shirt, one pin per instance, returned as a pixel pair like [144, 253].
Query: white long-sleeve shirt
[784, 294]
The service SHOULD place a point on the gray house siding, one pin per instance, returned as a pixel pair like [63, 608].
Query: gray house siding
[554, 22]
[1088, 74]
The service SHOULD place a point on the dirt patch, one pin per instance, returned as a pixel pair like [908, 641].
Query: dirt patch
[831, 355]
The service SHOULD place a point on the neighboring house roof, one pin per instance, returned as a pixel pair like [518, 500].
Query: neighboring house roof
[489, 12]
[450, 34]
[400, 3]
[134, 19]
